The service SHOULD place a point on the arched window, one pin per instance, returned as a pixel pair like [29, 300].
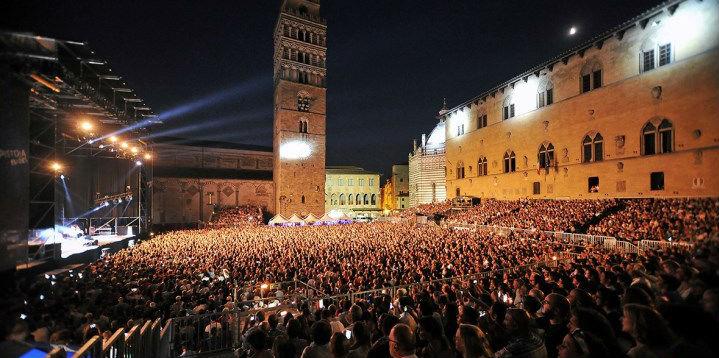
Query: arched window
[658, 139]
[303, 199]
[546, 155]
[460, 170]
[366, 199]
[545, 93]
[333, 200]
[358, 200]
[350, 199]
[510, 162]
[303, 125]
[592, 148]
[482, 166]
[374, 199]
[591, 76]
[481, 120]
[342, 199]
[508, 108]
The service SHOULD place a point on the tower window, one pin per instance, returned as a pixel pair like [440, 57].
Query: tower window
[596, 79]
[303, 126]
[586, 83]
[508, 108]
[536, 188]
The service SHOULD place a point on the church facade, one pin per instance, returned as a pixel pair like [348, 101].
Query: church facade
[632, 113]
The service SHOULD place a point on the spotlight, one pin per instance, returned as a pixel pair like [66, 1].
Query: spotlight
[113, 139]
[572, 31]
[147, 156]
[86, 126]
[119, 200]
[101, 146]
[134, 150]
[56, 166]
[62, 176]
[124, 145]
[138, 163]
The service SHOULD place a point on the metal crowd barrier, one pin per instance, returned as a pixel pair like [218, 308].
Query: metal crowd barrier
[143, 340]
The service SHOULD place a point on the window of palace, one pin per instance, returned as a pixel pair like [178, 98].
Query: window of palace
[656, 181]
[592, 148]
[545, 93]
[508, 108]
[546, 155]
[460, 170]
[658, 140]
[481, 121]
[510, 162]
[482, 166]
[591, 76]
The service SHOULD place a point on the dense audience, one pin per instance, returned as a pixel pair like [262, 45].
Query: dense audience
[516, 296]
[662, 219]
[242, 215]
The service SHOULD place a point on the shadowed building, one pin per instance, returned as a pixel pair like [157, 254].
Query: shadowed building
[353, 191]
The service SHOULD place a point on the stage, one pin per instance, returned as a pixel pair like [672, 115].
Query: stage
[72, 251]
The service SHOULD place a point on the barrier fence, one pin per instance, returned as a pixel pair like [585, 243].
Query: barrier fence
[607, 242]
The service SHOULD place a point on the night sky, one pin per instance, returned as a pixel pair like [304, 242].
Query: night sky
[390, 63]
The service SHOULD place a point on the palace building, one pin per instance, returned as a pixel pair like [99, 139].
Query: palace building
[299, 109]
[352, 191]
[427, 167]
[631, 113]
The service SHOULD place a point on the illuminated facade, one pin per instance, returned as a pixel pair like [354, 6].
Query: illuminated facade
[426, 168]
[395, 192]
[353, 190]
[299, 109]
[632, 113]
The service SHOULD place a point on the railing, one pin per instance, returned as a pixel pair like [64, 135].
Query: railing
[560, 237]
[145, 340]
[662, 245]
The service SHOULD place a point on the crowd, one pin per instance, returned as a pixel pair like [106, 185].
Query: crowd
[662, 219]
[685, 219]
[585, 302]
[242, 215]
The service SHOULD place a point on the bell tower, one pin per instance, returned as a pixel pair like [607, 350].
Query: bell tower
[300, 41]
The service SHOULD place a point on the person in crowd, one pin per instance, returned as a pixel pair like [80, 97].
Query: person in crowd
[321, 336]
[554, 322]
[338, 345]
[471, 342]
[523, 342]
[650, 331]
[401, 342]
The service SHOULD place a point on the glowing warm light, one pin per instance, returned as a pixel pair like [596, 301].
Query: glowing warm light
[295, 149]
[86, 126]
[124, 145]
[147, 156]
[572, 31]
[138, 163]
[56, 166]
[134, 150]
[264, 286]
[113, 139]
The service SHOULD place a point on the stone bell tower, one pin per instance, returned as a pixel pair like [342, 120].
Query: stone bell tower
[300, 41]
